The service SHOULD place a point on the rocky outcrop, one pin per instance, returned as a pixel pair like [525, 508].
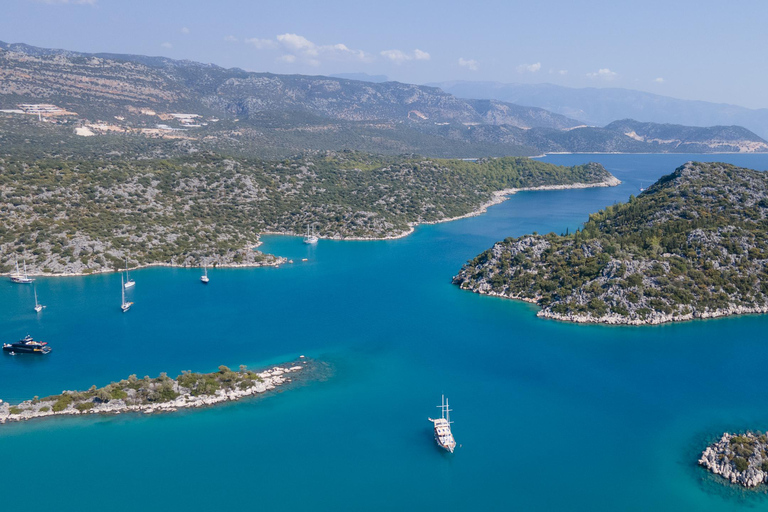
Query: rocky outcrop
[740, 458]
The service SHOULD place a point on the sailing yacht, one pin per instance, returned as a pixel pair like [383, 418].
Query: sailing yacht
[38, 307]
[125, 306]
[21, 279]
[311, 237]
[443, 435]
[128, 281]
[204, 278]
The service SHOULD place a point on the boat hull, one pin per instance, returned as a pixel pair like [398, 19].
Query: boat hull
[23, 349]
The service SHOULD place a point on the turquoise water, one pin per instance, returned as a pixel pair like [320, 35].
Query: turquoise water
[549, 416]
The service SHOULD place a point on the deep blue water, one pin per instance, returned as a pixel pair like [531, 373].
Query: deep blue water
[549, 415]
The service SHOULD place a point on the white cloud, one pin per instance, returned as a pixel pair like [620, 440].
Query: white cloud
[603, 73]
[470, 64]
[297, 43]
[529, 68]
[659, 80]
[298, 48]
[230, 39]
[398, 56]
[421, 55]
[185, 30]
[260, 44]
[166, 45]
[63, 2]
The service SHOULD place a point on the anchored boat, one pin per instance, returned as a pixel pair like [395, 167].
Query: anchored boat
[443, 435]
[18, 277]
[38, 307]
[125, 306]
[311, 237]
[204, 278]
[129, 283]
[27, 345]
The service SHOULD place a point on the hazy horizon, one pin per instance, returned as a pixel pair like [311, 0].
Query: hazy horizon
[686, 50]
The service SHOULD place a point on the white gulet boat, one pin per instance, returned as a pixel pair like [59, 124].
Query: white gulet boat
[125, 306]
[21, 279]
[204, 278]
[443, 435]
[311, 237]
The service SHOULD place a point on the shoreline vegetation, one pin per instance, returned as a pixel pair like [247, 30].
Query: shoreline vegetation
[498, 197]
[161, 394]
[692, 246]
[70, 215]
[740, 458]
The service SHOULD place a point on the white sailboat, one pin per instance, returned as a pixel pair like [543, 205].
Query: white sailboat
[128, 281]
[443, 435]
[18, 277]
[204, 278]
[38, 307]
[311, 237]
[125, 306]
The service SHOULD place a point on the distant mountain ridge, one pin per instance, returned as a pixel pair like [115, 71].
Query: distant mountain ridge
[600, 106]
[299, 112]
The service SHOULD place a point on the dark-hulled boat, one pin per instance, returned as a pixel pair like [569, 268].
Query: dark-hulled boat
[27, 345]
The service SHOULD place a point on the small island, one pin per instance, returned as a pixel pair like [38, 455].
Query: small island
[740, 458]
[694, 245]
[161, 394]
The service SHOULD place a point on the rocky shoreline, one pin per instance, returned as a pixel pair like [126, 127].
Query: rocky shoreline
[654, 318]
[271, 261]
[498, 197]
[162, 394]
[740, 458]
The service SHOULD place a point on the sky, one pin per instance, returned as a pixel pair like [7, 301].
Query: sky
[701, 50]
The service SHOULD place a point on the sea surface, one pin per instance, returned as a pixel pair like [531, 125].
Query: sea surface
[548, 415]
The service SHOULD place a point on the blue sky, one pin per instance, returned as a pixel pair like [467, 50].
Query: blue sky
[713, 51]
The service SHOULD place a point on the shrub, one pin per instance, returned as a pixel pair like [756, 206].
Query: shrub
[62, 402]
[15, 410]
[740, 463]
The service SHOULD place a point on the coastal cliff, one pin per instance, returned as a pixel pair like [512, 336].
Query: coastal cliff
[692, 246]
[161, 394]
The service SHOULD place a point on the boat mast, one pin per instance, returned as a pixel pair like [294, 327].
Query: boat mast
[36, 304]
[122, 288]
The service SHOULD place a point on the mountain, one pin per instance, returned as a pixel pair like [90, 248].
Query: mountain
[279, 115]
[363, 77]
[691, 246]
[601, 106]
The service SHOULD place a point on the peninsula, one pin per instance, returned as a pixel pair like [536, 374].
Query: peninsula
[740, 458]
[71, 212]
[161, 394]
[693, 245]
